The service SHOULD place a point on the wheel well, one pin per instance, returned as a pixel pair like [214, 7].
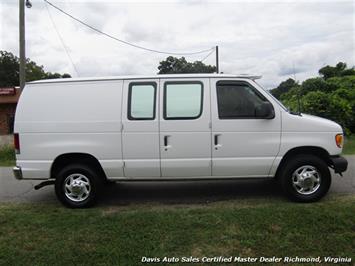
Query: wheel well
[317, 151]
[80, 158]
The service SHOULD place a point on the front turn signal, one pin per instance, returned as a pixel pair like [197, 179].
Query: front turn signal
[339, 139]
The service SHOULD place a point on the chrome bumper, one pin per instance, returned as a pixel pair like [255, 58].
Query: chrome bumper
[17, 172]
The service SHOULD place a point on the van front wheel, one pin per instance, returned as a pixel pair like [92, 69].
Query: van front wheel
[77, 186]
[305, 178]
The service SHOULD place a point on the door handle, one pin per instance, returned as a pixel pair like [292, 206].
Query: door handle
[166, 142]
[216, 141]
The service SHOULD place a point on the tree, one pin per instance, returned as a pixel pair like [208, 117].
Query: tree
[346, 90]
[66, 75]
[174, 65]
[9, 70]
[339, 70]
[290, 99]
[316, 84]
[332, 96]
[330, 106]
[284, 87]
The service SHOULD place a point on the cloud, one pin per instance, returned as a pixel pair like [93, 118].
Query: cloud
[274, 39]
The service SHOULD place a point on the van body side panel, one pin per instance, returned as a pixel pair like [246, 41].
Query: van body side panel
[187, 152]
[62, 118]
[37, 148]
[307, 130]
[246, 147]
[35, 169]
[140, 137]
[90, 116]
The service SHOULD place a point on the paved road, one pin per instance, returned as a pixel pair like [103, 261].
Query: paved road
[12, 190]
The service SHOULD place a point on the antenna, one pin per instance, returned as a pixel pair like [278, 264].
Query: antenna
[294, 72]
[298, 92]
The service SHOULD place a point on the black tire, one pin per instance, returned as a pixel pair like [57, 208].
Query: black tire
[298, 162]
[82, 172]
[109, 183]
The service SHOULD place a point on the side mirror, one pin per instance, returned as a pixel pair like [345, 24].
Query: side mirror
[265, 110]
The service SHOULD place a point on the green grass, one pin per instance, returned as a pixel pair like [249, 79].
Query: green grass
[121, 235]
[7, 156]
[349, 145]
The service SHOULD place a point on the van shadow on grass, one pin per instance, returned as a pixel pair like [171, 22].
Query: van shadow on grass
[187, 192]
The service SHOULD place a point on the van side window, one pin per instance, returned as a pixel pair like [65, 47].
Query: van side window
[141, 101]
[237, 100]
[183, 100]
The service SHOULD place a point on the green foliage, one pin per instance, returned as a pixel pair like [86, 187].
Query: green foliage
[7, 155]
[174, 65]
[349, 145]
[66, 75]
[344, 81]
[337, 71]
[329, 106]
[9, 70]
[284, 87]
[316, 84]
[331, 97]
[290, 98]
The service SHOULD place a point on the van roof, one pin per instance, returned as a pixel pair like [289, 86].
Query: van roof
[157, 76]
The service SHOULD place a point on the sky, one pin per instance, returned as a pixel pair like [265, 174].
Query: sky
[275, 39]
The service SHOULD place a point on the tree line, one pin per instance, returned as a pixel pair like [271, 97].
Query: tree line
[9, 70]
[331, 95]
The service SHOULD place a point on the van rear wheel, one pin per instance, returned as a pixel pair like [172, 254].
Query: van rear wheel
[77, 186]
[305, 178]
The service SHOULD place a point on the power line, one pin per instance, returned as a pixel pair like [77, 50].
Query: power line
[125, 42]
[62, 41]
[213, 49]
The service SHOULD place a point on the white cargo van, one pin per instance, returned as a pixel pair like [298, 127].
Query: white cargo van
[80, 133]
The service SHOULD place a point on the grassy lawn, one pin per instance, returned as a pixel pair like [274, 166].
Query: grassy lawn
[7, 156]
[349, 145]
[53, 235]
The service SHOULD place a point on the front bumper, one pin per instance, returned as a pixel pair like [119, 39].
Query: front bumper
[17, 172]
[338, 163]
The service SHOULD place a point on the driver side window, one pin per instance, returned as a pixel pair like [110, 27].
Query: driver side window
[237, 100]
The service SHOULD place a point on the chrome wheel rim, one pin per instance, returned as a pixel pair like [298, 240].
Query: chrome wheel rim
[306, 179]
[77, 187]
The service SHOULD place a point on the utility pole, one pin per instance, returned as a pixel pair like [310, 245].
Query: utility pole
[23, 42]
[22, 45]
[217, 60]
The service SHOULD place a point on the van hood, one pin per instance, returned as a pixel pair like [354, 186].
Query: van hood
[310, 123]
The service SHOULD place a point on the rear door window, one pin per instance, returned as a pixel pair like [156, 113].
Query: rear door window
[141, 101]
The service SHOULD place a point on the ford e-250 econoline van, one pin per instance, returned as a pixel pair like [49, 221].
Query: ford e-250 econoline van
[80, 133]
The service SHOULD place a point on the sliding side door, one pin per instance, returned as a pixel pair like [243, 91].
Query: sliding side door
[185, 133]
